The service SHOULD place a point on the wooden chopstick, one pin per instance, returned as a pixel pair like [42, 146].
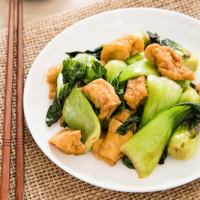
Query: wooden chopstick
[6, 146]
[19, 192]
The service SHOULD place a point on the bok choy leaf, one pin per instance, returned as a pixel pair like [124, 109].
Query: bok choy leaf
[141, 67]
[131, 120]
[145, 148]
[82, 67]
[79, 115]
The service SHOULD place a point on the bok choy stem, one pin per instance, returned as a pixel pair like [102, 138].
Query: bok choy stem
[162, 93]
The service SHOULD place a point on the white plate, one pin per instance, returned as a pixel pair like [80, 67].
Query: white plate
[87, 34]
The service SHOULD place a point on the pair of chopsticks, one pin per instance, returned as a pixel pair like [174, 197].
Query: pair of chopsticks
[6, 145]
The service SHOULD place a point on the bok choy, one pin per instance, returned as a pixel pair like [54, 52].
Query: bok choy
[141, 67]
[79, 115]
[145, 148]
[189, 95]
[82, 67]
[162, 93]
[184, 142]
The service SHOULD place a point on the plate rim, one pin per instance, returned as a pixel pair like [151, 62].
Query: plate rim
[81, 177]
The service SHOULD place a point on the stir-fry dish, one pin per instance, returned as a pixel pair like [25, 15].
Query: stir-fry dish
[129, 101]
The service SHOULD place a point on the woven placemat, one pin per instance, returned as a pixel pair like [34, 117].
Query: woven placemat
[43, 179]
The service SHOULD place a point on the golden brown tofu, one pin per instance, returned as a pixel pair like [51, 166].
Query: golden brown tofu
[68, 141]
[62, 120]
[136, 92]
[197, 88]
[52, 74]
[110, 147]
[52, 90]
[123, 115]
[122, 48]
[103, 96]
[169, 62]
[96, 148]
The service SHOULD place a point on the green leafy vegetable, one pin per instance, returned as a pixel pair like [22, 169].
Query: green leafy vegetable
[79, 115]
[94, 52]
[154, 37]
[141, 67]
[145, 148]
[174, 45]
[82, 67]
[163, 157]
[72, 71]
[132, 119]
[135, 58]
[65, 124]
[126, 161]
[192, 85]
[189, 95]
[162, 93]
[184, 83]
[94, 69]
[182, 144]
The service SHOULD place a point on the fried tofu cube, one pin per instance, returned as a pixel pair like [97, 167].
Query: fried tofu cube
[68, 141]
[122, 48]
[136, 92]
[52, 90]
[197, 88]
[52, 74]
[96, 149]
[103, 96]
[169, 62]
[110, 147]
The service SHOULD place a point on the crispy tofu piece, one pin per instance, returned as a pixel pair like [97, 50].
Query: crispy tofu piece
[68, 141]
[122, 48]
[52, 90]
[197, 88]
[136, 92]
[96, 148]
[62, 120]
[52, 74]
[110, 147]
[51, 80]
[123, 115]
[169, 62]
[103, 96]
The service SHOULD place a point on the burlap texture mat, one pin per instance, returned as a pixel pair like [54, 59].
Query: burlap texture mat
[43, 179]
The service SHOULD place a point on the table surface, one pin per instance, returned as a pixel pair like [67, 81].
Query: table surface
[34, 9]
